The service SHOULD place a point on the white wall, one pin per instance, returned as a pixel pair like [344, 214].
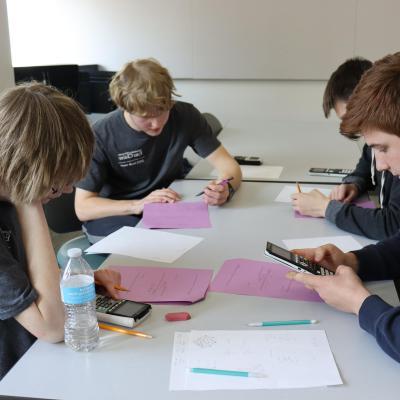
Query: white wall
[205, 39]
[256, 100]
[6, 72]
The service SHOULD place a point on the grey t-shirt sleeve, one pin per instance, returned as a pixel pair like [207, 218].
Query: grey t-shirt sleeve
[203, 141]
[97, 175]
[16, 292]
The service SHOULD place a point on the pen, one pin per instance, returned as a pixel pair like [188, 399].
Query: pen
[223, 182]
[123, 330]
[298, 187]
[290, 322]
[243, 374]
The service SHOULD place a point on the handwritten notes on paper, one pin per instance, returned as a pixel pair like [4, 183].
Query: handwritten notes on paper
[159, 284]
[287, 359]
[176, 215]
[257, 278]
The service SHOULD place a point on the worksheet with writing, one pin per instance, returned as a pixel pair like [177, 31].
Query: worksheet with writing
[283, 358]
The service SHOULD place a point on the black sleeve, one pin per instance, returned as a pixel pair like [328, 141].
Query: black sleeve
[361, 176]
[380, 261]
[98, 172]
[202, 140]
[383, 322]
[379, 223]
[16, 292]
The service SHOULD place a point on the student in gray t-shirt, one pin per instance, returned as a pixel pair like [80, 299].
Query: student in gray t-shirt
[33, 119]
[139, 151]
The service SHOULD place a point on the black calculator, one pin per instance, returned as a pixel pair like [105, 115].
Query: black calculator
[294, 261]
[121, 312]
[339, 172]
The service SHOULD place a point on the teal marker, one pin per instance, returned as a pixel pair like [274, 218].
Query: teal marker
[243, 374]
[290, 322]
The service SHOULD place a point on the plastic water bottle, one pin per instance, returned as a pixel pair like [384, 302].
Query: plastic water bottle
[81, 331]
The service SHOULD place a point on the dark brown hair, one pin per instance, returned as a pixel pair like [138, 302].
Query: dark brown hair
[375, 102]
[342, 82]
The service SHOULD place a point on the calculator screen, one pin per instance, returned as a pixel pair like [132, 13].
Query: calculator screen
[281, 252]
[129, 309]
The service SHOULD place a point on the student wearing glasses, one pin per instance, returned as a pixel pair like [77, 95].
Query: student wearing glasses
[45, 145]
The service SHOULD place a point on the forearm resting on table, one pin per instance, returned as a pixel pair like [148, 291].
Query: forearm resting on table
[91, 206]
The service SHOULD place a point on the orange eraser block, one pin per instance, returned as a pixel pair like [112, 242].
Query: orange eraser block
[177, 316]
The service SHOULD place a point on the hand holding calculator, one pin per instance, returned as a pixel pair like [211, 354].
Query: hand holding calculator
[294, 261]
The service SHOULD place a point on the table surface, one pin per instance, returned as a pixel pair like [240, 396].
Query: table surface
[295, 145]
[127, 366]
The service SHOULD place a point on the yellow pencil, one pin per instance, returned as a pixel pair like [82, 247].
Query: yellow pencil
[123, 330]
[121, 288]
[298, 187]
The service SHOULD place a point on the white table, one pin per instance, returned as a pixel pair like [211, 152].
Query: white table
[130, 367]
[296, 146]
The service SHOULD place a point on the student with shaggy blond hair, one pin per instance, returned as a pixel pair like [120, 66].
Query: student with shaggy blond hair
[139, 151]
[45, 145]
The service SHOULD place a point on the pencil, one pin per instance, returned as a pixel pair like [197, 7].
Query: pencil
[116, 287]
[121, 288]
[298, 187]
[290, 322]
[123, 330]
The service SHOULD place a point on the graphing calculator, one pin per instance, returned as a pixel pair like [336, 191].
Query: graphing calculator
[294, 261]
[121, 312]
[339, 172]
[248, 160]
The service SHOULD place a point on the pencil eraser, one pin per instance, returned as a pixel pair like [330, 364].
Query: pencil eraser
[177, 316]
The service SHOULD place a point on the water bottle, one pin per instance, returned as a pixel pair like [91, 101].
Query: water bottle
[81, 331]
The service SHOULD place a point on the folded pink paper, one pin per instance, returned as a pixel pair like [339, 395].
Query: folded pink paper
[258, 278]
[164, 285]
[176, 215]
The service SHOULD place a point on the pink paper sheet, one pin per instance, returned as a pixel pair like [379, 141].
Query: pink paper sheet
[257, 278]
[161, 285]
[176, 215]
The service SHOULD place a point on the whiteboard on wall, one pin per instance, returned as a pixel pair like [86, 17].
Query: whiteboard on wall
[272, 39]
[378, 28]
[205, 39]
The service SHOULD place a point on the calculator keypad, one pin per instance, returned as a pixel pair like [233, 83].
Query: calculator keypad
[311, 267]
[107, 304]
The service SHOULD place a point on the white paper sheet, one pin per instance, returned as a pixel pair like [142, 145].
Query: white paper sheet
[345, 243]
[289, 359]
[285, 194]
[145, 243]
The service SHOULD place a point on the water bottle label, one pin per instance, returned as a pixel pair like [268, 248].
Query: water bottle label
[78, 295]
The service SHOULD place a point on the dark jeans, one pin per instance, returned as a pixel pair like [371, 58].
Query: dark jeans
[97, 229]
